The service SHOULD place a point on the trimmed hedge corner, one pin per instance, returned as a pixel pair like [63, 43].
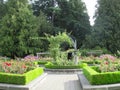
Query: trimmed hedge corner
[96, 78]
[53, 66]
[20, 79]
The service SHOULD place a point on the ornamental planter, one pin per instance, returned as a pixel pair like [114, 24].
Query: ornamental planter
[96, 78]
[20, 79]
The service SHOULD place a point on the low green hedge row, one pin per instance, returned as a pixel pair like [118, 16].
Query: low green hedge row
[41, 62]
[96, 78]
[91, 62]
[53, 66]
[20, 79]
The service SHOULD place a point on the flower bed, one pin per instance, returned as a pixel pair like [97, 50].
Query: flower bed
[96, 78]
[18, 72]
[20, 79]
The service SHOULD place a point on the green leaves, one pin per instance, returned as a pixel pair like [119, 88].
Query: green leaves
[69, 15]
[55, 42]
[17, 27]
[107, 24]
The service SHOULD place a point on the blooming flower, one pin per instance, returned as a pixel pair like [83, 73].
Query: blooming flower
[30, 58]
[24, 66]
[106, 63]
[107, 56]
[8, 64]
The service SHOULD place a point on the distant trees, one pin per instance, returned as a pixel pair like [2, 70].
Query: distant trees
[106, 31]
[3, 9]
[69, 15]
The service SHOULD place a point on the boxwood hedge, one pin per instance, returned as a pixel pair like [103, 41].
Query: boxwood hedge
[20, 79]
[53, 66]
[41, 62]
[91, 62]
[96, 78]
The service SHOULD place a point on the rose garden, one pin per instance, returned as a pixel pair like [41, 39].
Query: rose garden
[50, 44]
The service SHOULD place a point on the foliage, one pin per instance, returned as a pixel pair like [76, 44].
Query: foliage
[96, 78]
[90, 61]
[17, 27]
[82, 65]
[55, 41]
[69, 15]
[97, 51]
[106, 31]
[107, 63]
[20, 79]
[43, 27]
[41, 62]
[118, 53]
[3, 9]
[69, 66]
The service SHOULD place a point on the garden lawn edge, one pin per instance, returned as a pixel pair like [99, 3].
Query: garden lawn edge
[96, 78]
[20, 79]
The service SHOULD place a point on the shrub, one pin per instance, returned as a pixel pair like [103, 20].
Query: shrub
[82, 65]
[52, 66]
[96, 78]
[91, 62]
[41, 62]
[20, 79]
[107, 63]
[17, 67]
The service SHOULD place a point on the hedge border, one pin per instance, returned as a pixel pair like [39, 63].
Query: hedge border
[91, 62]
[50, 65]
[20, 79]
[96, 78]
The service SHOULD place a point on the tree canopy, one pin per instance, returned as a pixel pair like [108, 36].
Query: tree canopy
[106, 31]
[108, 25]
[17, 28]
[69, 15]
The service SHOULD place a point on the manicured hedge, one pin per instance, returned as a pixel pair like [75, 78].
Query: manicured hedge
[53, 66]
[91, 62]
[20, 79]
[96, 78]
[41, 62]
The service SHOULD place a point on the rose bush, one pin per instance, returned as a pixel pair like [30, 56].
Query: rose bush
[16, 67]
[107, 63]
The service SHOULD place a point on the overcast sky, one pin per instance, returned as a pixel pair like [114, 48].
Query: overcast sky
[90, 4]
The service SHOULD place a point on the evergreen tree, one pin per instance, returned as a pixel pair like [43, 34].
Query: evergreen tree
[3, 8]
[17, 28]
[43, 27]
[107, 25]
[70, 15]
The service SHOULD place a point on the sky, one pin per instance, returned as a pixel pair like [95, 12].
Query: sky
[90, 4]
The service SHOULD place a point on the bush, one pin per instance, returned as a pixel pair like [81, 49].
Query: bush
[41, 62]
[96, 78]
[16, 67]
[82, 65]
[20, 79]
[91, 62]
[95, 51]
[84, 52]
[52, 66]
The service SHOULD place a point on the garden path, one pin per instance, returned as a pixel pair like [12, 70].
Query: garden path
[60, 82]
